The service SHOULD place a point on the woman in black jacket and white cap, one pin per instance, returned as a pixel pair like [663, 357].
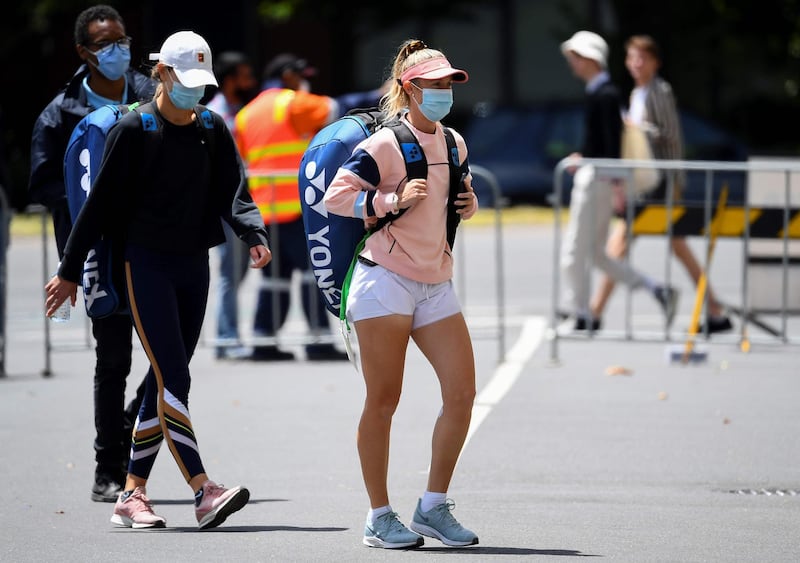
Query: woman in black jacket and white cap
[170, 171]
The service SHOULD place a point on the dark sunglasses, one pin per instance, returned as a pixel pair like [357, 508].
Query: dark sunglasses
[121, 42]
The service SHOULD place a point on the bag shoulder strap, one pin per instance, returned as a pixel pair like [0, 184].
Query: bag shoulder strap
[149, 121]
[417, 167]
[203, 119]
[413, 155]
[414, 158]
[454, 163]
[205, 122]
[458, 171]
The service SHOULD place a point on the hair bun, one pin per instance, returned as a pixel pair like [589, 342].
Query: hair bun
[412, 46]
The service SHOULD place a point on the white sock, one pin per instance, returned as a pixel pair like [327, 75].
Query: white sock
[375, 513]
[429, 500]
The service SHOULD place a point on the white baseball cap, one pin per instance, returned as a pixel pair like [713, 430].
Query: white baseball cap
[588, 45]
[190, 56]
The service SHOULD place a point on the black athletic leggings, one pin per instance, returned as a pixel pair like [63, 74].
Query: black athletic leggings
[167, 293]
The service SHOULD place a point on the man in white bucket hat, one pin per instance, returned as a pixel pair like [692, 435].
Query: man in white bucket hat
[591, 205]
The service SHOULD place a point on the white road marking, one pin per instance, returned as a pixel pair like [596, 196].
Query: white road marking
[507, 373]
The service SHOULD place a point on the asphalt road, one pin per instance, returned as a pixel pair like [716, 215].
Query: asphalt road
[662, 462]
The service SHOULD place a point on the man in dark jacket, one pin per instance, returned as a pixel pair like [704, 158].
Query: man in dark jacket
[593, 191]
[104, 78]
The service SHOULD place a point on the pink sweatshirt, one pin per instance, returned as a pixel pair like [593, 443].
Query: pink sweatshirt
[415, 244]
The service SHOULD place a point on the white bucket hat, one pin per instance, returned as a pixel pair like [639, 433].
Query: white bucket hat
[190, 56]
[588, 45]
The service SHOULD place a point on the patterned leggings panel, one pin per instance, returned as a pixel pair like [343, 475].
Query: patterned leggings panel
[167, 294]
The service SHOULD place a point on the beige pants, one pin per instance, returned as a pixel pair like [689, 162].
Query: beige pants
[584, 243]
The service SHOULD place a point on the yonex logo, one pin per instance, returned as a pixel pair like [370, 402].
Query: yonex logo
[454, 156]
[91, 289]
[148, 122]
[208, 121]
[319, 243]
[411, 151]
[315, 189]
[84, 158]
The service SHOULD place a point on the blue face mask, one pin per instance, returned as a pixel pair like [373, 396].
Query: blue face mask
[436, 102]
[113, 60]
[184, 97]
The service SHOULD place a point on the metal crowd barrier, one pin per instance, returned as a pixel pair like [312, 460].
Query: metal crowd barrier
[308, 282]
[48, 268]
[280, 285]
[746, 221]
[5, 220]
[499, 330]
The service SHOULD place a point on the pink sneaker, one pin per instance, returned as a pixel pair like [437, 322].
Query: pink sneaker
[217, 503]
[136, 511]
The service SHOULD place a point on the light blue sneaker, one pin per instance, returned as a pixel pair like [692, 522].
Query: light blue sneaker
[389, 532]
[440, 524]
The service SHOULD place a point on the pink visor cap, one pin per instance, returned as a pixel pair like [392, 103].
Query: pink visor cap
[433, 69]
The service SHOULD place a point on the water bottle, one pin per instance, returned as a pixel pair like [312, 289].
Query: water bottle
[61, 315]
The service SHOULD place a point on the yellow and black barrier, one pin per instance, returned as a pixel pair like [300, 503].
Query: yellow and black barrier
[773, 213]
[687, 220]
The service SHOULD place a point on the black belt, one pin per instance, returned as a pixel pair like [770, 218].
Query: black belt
[366, 261]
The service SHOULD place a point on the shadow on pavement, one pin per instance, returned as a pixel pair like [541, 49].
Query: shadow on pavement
[487, 550]
[231, 529]
[174, 501]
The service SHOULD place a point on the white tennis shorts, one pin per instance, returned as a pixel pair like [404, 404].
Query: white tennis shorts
[378, 292]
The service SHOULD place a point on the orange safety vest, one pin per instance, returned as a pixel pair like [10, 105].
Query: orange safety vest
[272, 151]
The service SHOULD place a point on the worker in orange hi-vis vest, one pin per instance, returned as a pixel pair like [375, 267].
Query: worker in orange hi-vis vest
[272, 132]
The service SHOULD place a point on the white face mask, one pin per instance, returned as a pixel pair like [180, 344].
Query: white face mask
[113, 60]
[184, 97]
[305, 86]
[436, 102]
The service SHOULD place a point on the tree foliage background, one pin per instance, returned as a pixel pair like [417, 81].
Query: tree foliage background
[736, 62]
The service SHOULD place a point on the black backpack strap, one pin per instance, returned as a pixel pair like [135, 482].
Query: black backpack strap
[205, 122]
[148, 119]
[416, 163]
[457, 173]
[414, 157]
[372, 117]
[417, 167]
[149, 153]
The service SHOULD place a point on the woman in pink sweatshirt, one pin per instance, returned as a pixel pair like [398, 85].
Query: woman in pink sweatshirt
[402, 287]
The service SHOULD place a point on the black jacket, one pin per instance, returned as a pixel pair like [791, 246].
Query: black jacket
[603, 123]
[51, 133]
[165, 189]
